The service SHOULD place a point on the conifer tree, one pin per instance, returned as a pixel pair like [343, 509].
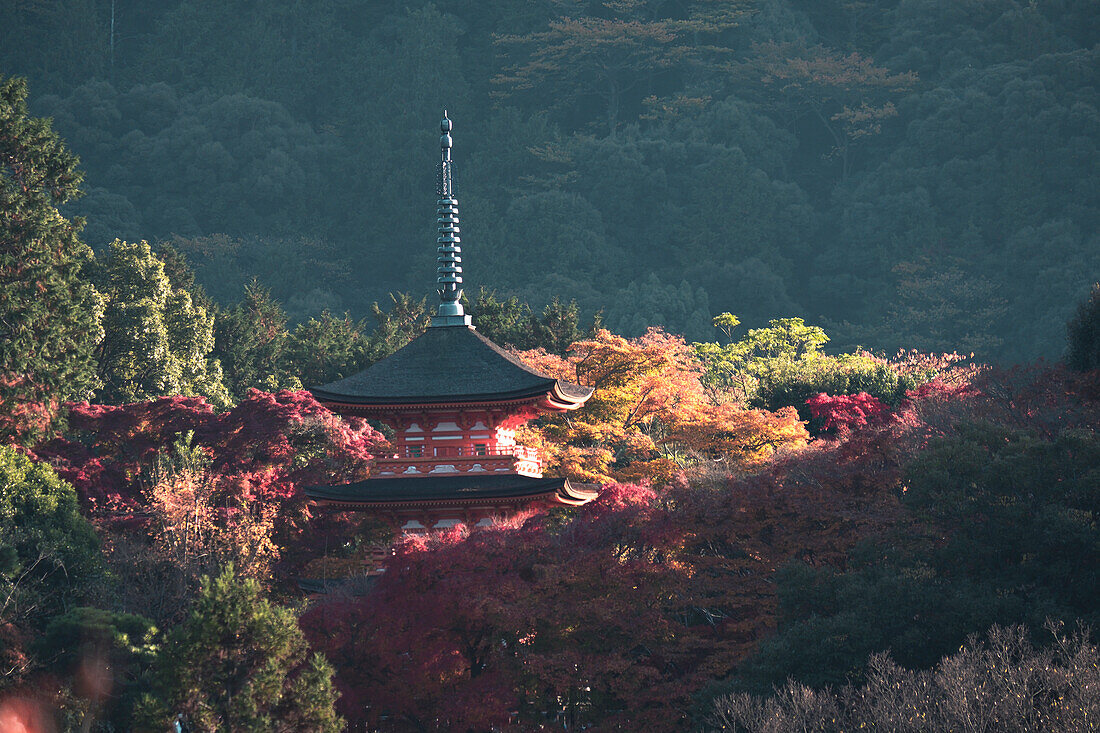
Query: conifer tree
[240, 663]
[251, 341]
[1084, 334]
[327, 348]
[49, 314]
[49, 555]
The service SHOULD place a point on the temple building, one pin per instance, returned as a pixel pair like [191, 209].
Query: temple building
[453, 399]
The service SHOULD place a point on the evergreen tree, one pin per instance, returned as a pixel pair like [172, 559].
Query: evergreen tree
[49, 315]
[240, 663]
[506, 322]
[251, 341]
[406, 319]
[157, 340]
[1084, 334]
[325, 349]
[104, 658]
[560, 326]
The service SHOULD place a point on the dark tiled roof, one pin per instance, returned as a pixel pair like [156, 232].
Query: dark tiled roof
[449, 363]
[450, 487]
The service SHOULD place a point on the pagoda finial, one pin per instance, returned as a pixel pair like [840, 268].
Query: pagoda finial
[449, 279]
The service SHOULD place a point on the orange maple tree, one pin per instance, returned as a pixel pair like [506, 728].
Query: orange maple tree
[649, 414]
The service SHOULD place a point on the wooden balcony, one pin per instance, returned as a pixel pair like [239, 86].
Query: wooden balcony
[437, 459]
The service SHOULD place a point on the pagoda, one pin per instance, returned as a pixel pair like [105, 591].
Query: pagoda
[453, 400]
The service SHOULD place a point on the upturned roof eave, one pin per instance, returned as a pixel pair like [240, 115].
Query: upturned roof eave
[555, 395]
[394, 493]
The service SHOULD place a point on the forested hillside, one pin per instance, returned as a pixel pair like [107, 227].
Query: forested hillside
[825, 266]
[915, 173]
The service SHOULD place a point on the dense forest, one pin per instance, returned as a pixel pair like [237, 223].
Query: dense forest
[793, 246]
[907, 173]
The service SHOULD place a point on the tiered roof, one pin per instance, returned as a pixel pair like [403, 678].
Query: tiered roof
[451, 365]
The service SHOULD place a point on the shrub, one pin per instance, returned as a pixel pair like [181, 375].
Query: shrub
[848, 374]
[1004, 681]
[49, 554]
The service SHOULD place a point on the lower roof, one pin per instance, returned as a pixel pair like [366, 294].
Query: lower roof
[451, 489]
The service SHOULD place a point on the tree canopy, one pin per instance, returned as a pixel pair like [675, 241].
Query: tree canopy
[900, 172]
[838, 507]
[49, 314]
[240, 663]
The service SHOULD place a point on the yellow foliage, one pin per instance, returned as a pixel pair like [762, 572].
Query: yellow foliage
[648, 408]
[747, 436]
[199, 531]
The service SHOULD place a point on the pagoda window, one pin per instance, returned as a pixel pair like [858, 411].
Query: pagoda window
[481, 449]
[416, 451]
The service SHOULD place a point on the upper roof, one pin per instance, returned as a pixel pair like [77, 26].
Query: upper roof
[449, 364]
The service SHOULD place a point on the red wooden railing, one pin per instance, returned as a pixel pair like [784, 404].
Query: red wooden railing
[521, 452]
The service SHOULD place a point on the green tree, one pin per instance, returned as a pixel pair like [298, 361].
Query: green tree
[250, 342]
[761, 355]
[49, 314]
[512, 323]
[406, 319]
[1084, 334]
[559, 326]
[240, 663]
[157, 340]
[105, 657]
[506, 322]
[327, 348]
[614, 50]
[49, 555]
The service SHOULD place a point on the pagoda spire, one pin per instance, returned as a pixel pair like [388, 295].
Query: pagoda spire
[449, 279]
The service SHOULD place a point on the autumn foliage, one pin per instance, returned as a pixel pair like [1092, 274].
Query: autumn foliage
[844, 412]
[649, 414]
[615, 614]
[611, 615]
[618, 614]
[266, 446]
[178, 489]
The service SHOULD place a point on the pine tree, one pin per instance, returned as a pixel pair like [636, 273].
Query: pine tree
[1084, 334]
[251, 342]
[240, 663]
[49, 314]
